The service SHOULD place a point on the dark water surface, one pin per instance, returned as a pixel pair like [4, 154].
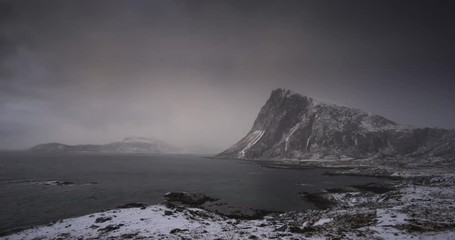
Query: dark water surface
[103, 181]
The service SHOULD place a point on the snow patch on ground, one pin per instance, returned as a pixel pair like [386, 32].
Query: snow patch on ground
[322, 221]
[154, 222]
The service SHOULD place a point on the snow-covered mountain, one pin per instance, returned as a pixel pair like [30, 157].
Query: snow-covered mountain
[128, 145]
[292, 126]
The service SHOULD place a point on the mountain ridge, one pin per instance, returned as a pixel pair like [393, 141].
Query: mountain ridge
[293, 126]
[127, 145]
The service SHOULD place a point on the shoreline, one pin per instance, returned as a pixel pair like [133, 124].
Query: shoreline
[401, 212]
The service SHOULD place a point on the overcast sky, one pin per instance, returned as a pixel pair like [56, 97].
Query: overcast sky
[197, 72]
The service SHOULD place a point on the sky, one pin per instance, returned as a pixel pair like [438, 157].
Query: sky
[196, 73]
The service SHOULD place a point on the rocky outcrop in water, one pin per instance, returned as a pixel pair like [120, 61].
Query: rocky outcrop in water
[190, 199]
[292, 126]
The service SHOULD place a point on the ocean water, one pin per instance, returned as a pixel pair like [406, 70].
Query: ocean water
[101, 181]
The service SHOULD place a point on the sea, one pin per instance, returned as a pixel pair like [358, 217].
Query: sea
[38, 188]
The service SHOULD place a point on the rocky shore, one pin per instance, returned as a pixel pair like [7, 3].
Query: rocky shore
[412, 205]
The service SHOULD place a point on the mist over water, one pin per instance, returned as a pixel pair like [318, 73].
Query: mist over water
[197, 73]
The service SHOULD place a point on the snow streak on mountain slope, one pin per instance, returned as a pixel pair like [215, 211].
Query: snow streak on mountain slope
[293, 126]
[256, 135]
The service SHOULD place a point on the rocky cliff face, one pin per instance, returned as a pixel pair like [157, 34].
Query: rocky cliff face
[292, 126]
[128, 145]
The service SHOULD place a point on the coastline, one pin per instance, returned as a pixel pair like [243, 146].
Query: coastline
[418, 204]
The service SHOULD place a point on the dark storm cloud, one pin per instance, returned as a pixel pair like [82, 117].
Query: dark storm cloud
[197, 72]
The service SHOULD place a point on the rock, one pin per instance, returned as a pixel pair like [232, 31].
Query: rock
[237, 213]
[53, 183]
[133, 205]
[282, 228]
[63, 236]
[167, 213]
[129, 236]
[190, 199]
[103, 219]
[110, 228]
[64, 183]
[177, 230]
[342, 190]
[375, 187]
[295, 229]
[94, 226]
[322, 200]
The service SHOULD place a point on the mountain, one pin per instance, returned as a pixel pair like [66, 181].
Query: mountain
[128, 145]
[292, 126]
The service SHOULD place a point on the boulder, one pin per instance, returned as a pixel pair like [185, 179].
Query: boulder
[190, 199]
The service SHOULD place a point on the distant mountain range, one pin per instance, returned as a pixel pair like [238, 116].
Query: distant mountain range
[128, 145]
[292, 126]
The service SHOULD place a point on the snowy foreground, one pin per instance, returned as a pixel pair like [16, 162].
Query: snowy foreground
[414, 208]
